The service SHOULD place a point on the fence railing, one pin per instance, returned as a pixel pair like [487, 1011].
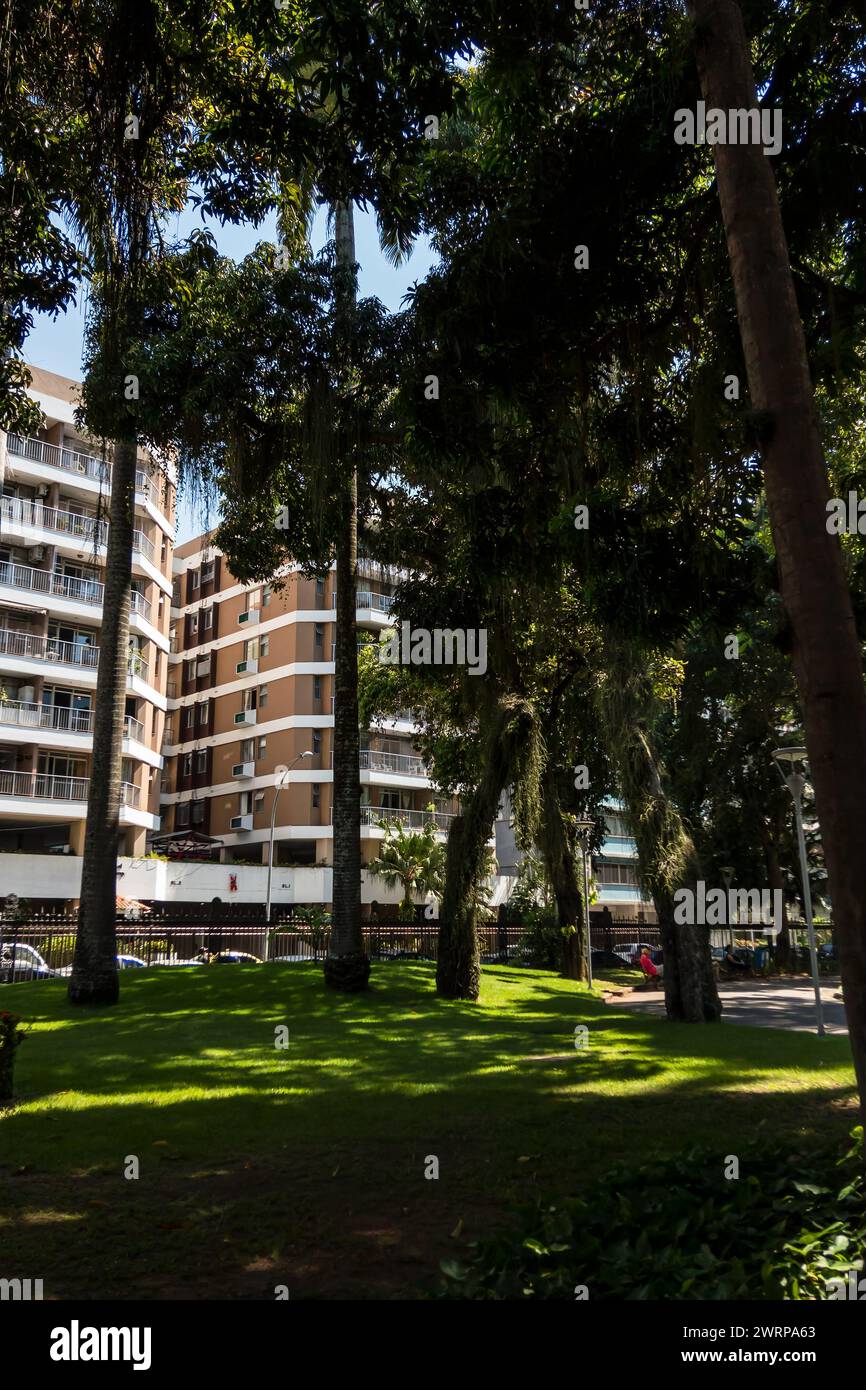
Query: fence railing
[29, 644]
[47, 943]
[53, 787]
[50, 582]
[24, 511]
[73, 461]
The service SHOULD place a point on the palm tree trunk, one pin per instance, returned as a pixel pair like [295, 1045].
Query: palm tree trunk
[94, 978]
[826, 652]
[458, 964]
[667, 856]
[562, 873]
[347, 967]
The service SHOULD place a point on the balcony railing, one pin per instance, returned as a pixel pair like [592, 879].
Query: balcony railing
[50, 582]
[414, 820]
[381, 603]
[22, 511]
[135, 666]
[141, 543]
[72, 461]
[28, 644]
[25, 714]
[139, 604]
[48, 786]
[403, 764]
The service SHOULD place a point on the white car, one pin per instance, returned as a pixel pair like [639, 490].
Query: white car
[18, 961]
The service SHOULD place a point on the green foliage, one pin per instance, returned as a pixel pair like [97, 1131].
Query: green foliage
[414, 859]
[679, 1230]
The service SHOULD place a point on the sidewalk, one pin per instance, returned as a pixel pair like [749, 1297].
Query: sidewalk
[762, 1003]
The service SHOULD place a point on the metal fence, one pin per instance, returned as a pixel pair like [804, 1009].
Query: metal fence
[45, 945]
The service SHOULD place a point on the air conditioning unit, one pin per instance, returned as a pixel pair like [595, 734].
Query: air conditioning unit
[247, 668]
[43, 490]
[251, 616]
[246, 716]
[203, 668]
[27, 693]
[36, 553]
[241, 823]
[243, 770]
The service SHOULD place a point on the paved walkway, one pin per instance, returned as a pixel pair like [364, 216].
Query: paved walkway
[765, 1003]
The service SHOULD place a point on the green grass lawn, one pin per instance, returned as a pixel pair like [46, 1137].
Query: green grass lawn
[305, 1166]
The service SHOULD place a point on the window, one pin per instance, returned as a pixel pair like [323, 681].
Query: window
[189, 670]
[320, 588]
[197, 812]
[187, 765]
[193, 624]
[263, 696]
[265, 645]
[203, 711]
[317, 741]
[207, 618]
[249, 699]
[196, 578]
[247, 750]
[320, 635]
[258, 802]
[317, 687]
[189, 717]
[208, 570]
[201, 760]
[263, 743]
[181, 815]
[266, 595]
[203, 666]
[316, 792]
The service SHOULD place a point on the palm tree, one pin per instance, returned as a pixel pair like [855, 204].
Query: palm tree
[413, 858]
[827, 656]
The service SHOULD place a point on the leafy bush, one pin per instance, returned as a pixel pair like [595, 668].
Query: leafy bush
[677, 1229]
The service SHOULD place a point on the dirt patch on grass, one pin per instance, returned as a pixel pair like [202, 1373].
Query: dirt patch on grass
[326, 1225]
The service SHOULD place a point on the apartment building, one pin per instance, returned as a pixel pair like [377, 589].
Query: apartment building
[251, 690]
[55, 490]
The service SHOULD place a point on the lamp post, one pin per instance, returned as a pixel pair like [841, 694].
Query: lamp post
[727, 873]
[282, 776]
[795, 782]
[584, 829]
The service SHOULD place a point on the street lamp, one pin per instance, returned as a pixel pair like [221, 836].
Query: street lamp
[282, 775]
[795, 782]
[727, 873]
[584, 829]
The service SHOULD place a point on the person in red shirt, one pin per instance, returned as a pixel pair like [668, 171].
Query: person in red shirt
[647, 965]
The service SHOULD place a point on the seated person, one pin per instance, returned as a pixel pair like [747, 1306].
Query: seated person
[731, 962]
[648, 966]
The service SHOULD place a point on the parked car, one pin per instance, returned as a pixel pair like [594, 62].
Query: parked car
[18, 961]
[234, 958]
[172, 960]
[131, 963]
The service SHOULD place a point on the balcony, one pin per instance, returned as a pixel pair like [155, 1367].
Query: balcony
[414, 820]
[143, 545]
[46, 786]
[28, 645]
[401, 764]
[71, 461]
[53, 456]
[138, 669]
[34, 515]
[25, 714]
[51, 582]
[138, 604]
[379, 603]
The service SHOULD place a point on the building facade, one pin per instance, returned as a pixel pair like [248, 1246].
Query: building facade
[251, 692]
[55, 490]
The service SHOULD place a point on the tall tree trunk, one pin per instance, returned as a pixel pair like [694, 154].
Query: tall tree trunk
[347, 966]
[94, 978]
[667, 856]
[559, 863]
[827, 656]
[458, 965]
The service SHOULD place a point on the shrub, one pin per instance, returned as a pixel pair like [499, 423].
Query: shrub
[677, 1229]
[11, 1038]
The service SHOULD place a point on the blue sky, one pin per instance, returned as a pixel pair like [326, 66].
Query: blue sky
[56, 344]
